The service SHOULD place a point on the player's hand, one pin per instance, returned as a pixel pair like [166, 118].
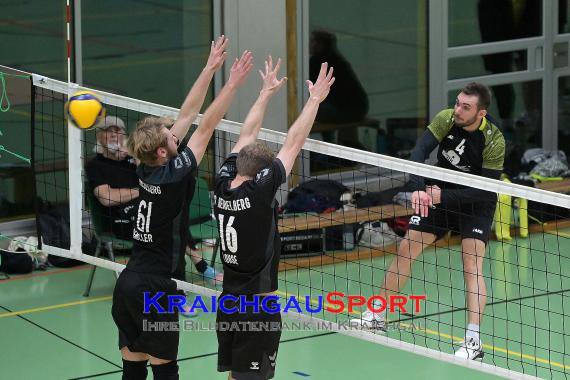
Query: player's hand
[123, 152]
[421, 202]
[435, 193]
[240, 69]
[270, 82]
[320, 89]
[218, 53]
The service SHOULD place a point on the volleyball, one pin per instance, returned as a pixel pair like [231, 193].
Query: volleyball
[84, 109]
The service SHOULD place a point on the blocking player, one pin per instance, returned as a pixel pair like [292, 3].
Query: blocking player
[246, 210]
[160, 235]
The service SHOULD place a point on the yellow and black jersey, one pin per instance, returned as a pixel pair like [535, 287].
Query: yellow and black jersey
[469, 152]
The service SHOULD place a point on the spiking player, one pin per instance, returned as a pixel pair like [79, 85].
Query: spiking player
[470, 143]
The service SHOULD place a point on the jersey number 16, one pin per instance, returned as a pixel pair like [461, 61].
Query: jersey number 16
[228, 234]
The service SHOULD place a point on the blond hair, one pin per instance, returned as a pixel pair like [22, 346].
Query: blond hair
[147, 138]
[252, 158]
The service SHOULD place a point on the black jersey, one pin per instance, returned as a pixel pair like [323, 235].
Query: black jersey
[160, 234]
[117, 174]
[469, 152]
[479, 152]
[247, 222]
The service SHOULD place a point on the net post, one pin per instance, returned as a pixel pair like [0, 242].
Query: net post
[74, 164]
[33, 161]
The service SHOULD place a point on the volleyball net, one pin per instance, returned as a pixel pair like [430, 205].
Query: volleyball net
[343, 214]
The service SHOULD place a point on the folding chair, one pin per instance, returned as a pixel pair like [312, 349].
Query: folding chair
[103, 234]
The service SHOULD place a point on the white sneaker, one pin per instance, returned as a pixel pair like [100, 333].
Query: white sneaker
[370, 321]
[470, 349]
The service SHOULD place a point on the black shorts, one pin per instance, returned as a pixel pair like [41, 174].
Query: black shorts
[151, 332]
[471, 224]
[248, 354]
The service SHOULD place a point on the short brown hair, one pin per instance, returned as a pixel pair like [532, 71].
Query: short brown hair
[148, 137]
[481, 91]
[252, 158]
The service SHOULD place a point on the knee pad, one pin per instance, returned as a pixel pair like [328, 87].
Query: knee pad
[134, 370]
[168, 371]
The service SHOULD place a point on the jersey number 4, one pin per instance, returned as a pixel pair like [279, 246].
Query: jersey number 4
[461, 147]
[453, 157]
[228, 234]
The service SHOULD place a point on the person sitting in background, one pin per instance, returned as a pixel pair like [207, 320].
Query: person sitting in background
[347, 100]
[112, 178]
[346, 103]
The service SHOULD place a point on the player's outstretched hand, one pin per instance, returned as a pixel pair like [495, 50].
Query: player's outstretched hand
[320, 89]
[241, 69]
[218, 53]
[270, 82]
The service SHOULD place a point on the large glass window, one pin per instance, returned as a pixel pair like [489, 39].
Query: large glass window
[34, 37]
[16, 177]
[151, 50]
[479, 21]
[516, 107]
[564, 114]
[146, 50]
[378, 102]
[33, 40]
[563, 16]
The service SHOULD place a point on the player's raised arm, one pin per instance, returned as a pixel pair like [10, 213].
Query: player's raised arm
[254, 118]
[195, 98]
[238, 74]
[302, 126]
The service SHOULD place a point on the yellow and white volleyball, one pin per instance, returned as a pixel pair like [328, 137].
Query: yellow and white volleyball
[84, 109]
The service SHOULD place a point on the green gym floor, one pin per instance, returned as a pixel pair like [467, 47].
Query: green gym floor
[50, 331]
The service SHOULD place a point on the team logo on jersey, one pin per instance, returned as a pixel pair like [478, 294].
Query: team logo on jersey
[451, 156]
[254, 365]
[224, 172]
[454, 155]
[261, 174]
[454, 159]
[182, 160]
[127, 210]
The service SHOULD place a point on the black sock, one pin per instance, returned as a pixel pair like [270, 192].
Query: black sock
[168, 371]
[134, 370]
[201, 266]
